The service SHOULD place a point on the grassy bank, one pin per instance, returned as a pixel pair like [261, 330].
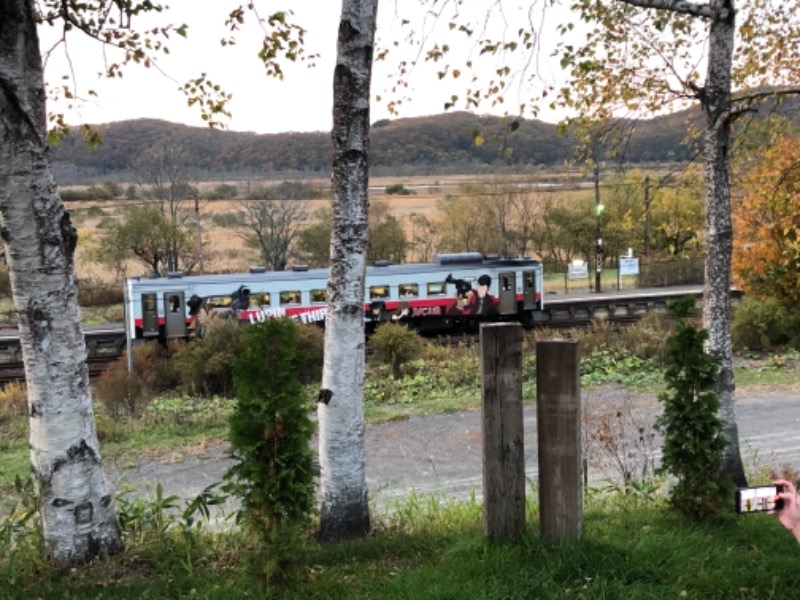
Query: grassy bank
[631, 548]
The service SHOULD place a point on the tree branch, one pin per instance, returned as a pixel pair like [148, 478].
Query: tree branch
[765, 94]
[749, 102]
[705, 11]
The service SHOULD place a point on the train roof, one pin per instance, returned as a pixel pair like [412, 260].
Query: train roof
[444, 263]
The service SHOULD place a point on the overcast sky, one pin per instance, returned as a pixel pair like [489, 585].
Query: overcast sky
[300, 102]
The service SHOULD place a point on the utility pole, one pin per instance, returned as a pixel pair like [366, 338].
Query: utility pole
[598, 240]
[646, 248]
[199, 232]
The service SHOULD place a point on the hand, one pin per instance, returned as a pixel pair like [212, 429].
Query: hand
[789, 513]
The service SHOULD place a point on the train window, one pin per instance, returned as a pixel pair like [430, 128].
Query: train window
[260, 299]
[506, 284]
[318, 296]
[529, 279]
[378, 291]
[218, 301]
[407, 290]
[437, 288]
[290, 297]
[174, 303]
[149, 301]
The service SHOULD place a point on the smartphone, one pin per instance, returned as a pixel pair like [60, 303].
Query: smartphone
[758, 499]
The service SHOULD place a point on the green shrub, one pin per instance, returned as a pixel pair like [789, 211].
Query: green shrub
[109, 429]
[399, 189]
[395, 345]
[270, 431]
[762, 325]
[82, 195]
[311, 349]
[127, 394]
[205, 366]
[119, 392]
[694, 441]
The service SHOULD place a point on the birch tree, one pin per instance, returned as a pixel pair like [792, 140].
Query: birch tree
[78, 519]
[345, 511]
[650, 55]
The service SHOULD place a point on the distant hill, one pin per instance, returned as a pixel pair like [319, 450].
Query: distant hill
[425, 145]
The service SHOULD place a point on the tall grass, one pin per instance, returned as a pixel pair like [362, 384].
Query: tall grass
[631, 548]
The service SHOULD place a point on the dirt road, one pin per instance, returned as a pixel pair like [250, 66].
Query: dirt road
[440, 455]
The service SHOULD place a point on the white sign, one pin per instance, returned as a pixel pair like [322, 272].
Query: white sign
[628, 266]
[577, 269]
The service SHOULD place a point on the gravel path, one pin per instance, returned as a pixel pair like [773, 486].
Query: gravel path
[440, 455]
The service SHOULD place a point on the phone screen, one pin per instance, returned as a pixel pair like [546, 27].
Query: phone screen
[757, 499]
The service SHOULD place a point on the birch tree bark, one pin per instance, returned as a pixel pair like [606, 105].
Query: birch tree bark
[716, 102]
[75, 505]
[345, 510]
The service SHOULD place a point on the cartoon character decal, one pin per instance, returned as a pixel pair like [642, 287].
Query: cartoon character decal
[485, 303]
[471, 301]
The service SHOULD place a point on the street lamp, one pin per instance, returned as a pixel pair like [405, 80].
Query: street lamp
[598, 244]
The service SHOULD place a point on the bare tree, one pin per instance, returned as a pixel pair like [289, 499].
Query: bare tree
[78, 519]
[163, 173]
[271, 227]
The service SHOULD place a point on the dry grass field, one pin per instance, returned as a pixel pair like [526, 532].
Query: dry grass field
[228, 252]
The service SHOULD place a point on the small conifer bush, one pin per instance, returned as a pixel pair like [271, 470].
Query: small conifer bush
[270, 431]
[693, 433]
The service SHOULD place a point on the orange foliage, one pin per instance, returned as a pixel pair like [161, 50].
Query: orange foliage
[766, 250]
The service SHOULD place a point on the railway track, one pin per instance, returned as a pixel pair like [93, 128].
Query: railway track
[106, 343]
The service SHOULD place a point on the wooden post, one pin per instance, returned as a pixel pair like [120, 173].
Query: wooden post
[503, 448]
[558, 413]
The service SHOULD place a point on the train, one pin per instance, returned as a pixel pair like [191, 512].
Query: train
[456, 291]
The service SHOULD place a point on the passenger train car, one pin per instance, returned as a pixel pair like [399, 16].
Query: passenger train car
[456, 291]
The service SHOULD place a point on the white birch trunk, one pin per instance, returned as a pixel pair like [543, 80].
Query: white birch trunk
[719, 229]
[716, 103]
[78, 519]
[345, 509]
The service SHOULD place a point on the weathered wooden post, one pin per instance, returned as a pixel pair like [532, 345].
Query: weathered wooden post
[558, 414]
[503, 449]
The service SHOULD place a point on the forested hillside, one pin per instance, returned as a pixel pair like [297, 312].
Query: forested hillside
[426, 145]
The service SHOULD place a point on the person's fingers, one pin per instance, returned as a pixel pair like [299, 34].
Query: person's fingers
[788, 486]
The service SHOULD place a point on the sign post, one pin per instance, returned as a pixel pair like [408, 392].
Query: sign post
[628, 265]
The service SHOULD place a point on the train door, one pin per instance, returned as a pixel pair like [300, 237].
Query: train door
[149, 315]
[507, 290]
[529, 301]
[174, 315]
